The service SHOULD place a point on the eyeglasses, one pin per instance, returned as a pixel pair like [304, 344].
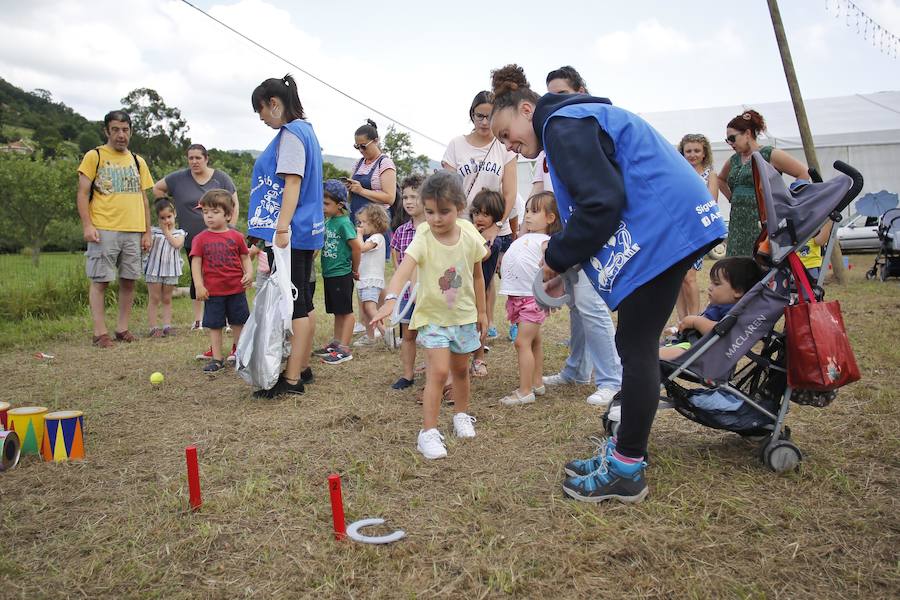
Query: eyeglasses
[731, 138]
[478, 117]
[362, 147]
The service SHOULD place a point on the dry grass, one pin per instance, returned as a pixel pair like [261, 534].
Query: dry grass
[489, 521]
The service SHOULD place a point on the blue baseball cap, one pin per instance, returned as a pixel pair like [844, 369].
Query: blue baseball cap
[336, 190]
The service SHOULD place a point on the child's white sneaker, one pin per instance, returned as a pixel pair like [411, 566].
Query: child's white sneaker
[431, 444]
[464, 425]
[516, 399]
[539, 391]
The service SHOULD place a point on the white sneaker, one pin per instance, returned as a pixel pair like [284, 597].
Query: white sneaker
[539, 391]
[431, 444]
[358, 327]
[464, 425]
[615, 413]
[601, 397]
[515, 399]
[558, 379]
[365, 340]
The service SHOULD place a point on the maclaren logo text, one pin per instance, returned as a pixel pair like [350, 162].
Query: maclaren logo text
[740, 340]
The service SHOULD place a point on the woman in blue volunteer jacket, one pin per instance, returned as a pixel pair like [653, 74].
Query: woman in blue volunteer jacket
[286, 209]
[636, 217]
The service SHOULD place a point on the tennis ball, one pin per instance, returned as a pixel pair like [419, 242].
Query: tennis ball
[157, 378]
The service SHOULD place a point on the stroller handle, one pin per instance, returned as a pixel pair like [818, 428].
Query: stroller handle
[854, 190]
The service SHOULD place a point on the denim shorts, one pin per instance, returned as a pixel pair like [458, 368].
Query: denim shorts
[403, 302]
[369, 294]
[218, 308]
[460, 339]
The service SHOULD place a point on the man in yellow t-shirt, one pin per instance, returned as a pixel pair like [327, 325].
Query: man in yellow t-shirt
[115, 216]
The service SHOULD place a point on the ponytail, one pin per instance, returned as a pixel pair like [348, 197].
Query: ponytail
[285, 89]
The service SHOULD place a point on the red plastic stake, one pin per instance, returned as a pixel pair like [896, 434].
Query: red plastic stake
[337, 506]
[193, 472]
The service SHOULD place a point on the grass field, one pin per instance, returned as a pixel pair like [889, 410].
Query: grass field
[488, 521]
[16, 270]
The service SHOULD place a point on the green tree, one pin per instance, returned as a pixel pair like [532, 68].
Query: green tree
[329, 171]
[47, 137]
[398, 145]
[88, 139]
[34, 194]
[150, 116]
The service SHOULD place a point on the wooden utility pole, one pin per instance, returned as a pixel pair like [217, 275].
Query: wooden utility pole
[809, 149]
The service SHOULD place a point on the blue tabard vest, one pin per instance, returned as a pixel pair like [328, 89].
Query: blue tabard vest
[668, 213]
[308, 223]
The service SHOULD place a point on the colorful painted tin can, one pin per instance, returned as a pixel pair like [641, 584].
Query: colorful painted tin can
[63, 436]
[28, 423]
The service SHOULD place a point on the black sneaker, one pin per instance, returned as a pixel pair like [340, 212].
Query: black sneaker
[402, 383]
[306, 376]
[214, 366]
[281, 388]
[614, 480]
[337, 357]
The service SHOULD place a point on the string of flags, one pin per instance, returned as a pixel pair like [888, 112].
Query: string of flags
[886, 42]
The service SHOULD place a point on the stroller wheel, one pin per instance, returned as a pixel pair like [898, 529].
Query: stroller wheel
[782, 456]
[870, 274]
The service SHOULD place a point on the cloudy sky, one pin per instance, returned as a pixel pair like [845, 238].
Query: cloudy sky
[421, 63]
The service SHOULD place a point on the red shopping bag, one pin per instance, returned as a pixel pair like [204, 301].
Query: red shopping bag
[819, 356]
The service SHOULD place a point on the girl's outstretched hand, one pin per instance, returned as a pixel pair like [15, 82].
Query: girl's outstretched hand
[382, 313]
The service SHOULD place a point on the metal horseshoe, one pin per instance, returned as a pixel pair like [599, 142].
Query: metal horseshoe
[354, 534]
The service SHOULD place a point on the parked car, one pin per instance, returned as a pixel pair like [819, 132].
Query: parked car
[860, 234]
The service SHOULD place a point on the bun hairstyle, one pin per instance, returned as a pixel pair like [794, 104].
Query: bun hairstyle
[510, 87]
[285, 89]
[576, 82]
[370, 130]
[749, 120]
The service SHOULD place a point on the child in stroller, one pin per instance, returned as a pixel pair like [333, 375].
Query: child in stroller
[729, 279]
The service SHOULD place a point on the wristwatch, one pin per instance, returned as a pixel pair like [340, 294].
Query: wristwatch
[390, 297]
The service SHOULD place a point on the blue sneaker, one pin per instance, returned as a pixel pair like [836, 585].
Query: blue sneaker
[614, 480]
[513, 332]
[586, 466]
[492, 333]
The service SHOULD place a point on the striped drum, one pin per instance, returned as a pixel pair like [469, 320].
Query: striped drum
[63, 436]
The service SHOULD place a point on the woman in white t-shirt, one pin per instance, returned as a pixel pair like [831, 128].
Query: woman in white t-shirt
[483, 162]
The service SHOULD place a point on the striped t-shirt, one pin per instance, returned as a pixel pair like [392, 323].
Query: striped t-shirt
[164, 260]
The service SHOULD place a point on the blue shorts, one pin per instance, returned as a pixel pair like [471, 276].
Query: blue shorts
[403, 302]
[218, 308]
[369, 294]
[460, 339]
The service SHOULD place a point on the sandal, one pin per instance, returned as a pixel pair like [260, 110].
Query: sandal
[478, 368]
[446, 395]
[102, 341]
[124, 336]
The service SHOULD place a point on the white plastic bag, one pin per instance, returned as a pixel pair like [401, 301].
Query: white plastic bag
[265, 339]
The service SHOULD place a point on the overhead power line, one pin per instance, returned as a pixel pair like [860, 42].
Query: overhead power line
[319, 79]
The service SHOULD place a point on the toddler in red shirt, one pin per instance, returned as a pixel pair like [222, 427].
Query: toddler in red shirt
[220, 266]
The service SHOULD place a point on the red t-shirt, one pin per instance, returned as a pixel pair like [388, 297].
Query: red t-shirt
[221, 254]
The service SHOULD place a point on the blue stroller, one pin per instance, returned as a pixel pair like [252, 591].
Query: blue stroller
[735, 377]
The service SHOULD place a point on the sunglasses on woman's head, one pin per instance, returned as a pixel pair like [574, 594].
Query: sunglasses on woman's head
[362, 146]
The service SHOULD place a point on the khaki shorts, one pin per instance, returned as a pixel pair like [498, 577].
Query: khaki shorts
[118, 254]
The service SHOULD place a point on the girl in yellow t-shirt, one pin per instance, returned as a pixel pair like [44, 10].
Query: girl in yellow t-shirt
[450, 306]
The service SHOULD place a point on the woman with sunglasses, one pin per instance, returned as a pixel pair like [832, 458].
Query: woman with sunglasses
[374, 178]
[736, 179]
[696, 149]
[484, 163]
